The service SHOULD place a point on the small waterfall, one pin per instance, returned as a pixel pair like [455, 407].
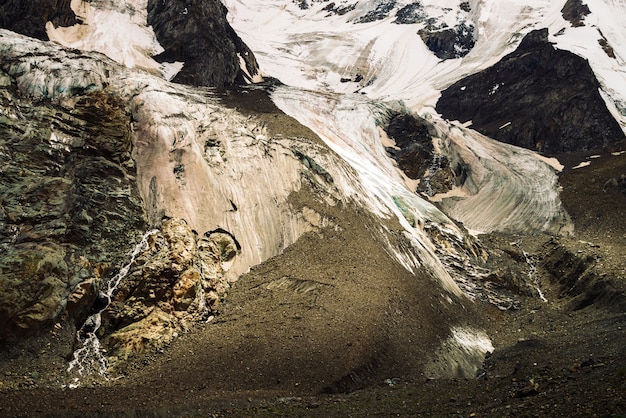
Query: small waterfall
[532, 275]
[89, 357]
[435, 166]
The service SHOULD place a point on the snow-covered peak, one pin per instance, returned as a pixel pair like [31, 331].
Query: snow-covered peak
[334, 46]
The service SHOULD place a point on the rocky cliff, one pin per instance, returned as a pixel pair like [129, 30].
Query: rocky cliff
[198, 34]
[537, 97]
[72, 209]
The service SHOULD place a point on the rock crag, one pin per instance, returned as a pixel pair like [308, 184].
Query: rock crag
[538, 97]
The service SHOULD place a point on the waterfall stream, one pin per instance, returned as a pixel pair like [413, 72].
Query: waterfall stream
[89, 357]
[533, 276]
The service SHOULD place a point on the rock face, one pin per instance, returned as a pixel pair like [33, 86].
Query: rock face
[66, 193]
[380, 12]
[70, 205]
[537, 97]
[412, 137]
[411, 13]
[29, 17]
[179, 279]
[575, 11]
[197, 33]
[71, 209]
[449, 43]
[414, 152]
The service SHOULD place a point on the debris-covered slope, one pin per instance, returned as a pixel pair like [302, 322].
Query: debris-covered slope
[235, 239]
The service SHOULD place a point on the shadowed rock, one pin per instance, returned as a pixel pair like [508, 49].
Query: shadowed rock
[29, 17]
[537, 97]
[198, 34]
[575, 11]
[449, 43]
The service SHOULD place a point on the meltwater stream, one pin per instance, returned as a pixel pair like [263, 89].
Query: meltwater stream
[89, 357]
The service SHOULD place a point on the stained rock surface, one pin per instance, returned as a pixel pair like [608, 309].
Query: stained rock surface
[67, 193]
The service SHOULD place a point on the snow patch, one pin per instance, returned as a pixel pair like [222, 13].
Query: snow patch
[132, 42]
[461, 355]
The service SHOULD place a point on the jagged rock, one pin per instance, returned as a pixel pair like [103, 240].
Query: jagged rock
[66, 194]
[178, 279]
[29, 17]
[439, 178]
[537, 97]
[198, 34]
[575, 11]
[82, 299]
[449, 43]
[605, 45]
[413, 144]
[411, 13]
[380, 12]
[340, 10]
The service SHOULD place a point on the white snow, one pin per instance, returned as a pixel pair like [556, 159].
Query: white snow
[460, 355]
[116, 29]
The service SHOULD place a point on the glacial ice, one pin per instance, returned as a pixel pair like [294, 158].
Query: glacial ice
[198, 160]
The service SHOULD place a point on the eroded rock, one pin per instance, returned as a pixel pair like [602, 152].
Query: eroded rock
[179, 279]
[66, 194]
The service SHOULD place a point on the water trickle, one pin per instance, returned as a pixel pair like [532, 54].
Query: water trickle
[89, 357]
[434, 168]
[533, 276]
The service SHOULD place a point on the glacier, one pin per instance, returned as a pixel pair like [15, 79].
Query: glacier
[221, 169]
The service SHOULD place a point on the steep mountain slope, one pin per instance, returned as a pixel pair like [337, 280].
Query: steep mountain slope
[235, 239]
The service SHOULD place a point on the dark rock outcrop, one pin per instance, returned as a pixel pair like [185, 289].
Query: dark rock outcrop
[334, 9]
[380, 12]
[411, 13]
[415, 155]
[449, 43]
[29, 17]
[575, 11]
[197, 33]
[537, 97]
[414, 144]
[69, 207]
